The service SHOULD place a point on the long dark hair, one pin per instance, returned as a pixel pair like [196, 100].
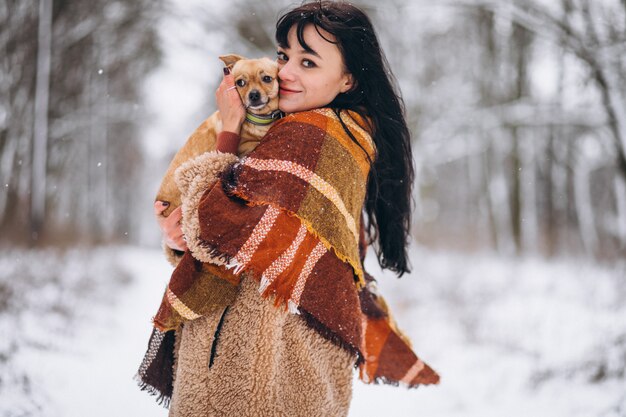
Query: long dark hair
[374, 95]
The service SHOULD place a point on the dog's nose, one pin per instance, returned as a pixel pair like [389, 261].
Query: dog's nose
[254, 95]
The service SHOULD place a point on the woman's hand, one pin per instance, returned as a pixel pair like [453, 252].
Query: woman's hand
[170, 226]
[231, 109]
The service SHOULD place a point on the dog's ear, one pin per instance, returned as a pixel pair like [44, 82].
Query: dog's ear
[229, 60]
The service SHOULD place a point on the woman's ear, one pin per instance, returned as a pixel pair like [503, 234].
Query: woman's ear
[348, 83]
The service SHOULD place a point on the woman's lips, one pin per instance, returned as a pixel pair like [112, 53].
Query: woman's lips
[287, 91]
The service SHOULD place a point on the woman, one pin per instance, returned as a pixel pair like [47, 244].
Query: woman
[268, 361]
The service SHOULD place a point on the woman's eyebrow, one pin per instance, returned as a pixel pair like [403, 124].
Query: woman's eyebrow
[304, 51]
[310, 52]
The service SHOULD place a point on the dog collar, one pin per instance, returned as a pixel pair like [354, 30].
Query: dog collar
[264, 119]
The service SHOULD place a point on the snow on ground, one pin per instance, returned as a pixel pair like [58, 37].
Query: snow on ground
[509, 337]
[80, 364]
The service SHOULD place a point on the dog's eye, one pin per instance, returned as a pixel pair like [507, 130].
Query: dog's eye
[241, 82]
[267, 79]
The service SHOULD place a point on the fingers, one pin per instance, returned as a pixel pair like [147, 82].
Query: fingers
[166, 223]
[227, 87]
[181, 243]
[172, 230]
[179, 239]
[230, 104]
[227, 82]
[176, 242]
[228, 75]
[160, 206]
[172, 221]
[170, 225]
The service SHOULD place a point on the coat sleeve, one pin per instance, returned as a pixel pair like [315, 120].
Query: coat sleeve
[196, 176]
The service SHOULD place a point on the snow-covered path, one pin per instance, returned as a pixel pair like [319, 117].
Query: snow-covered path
[101, 382]
[508, 337]
[90, 372]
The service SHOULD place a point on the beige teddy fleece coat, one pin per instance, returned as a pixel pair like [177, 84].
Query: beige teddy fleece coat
[265, 363]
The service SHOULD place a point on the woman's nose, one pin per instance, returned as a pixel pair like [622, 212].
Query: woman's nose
[284, 73]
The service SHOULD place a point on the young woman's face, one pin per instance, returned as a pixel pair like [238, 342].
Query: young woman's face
[310, 80]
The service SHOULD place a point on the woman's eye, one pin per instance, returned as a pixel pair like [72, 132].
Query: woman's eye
[241, 82]
[267, 79]
[281, 56]
[310, 64]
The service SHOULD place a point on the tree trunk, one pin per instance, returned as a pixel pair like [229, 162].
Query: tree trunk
[40, 131]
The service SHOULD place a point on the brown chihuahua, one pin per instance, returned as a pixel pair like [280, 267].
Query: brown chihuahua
[257, 84]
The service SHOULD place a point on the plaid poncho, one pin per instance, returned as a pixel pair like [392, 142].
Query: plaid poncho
[290, 214]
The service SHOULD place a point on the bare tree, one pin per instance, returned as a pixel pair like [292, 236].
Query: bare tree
[40, 136]
[70, 125]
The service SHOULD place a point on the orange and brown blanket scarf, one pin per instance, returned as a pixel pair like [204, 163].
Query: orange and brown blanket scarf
[290, 214]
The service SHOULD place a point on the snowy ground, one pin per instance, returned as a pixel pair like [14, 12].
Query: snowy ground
[509, 337]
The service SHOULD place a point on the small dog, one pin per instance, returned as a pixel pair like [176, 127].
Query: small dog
[257, 84]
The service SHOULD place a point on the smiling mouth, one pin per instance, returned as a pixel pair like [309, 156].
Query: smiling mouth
[286, 90]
